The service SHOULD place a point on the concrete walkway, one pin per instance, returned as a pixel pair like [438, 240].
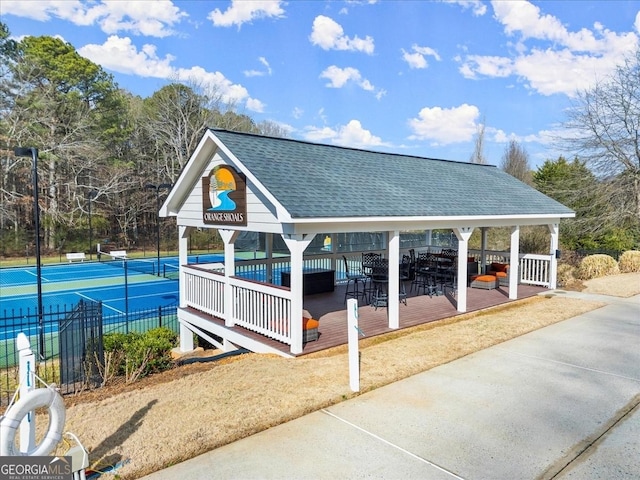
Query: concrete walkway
[562, 402]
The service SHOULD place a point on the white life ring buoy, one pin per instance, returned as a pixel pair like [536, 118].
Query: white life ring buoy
[38, 398]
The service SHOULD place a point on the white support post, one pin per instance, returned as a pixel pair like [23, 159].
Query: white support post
[428, 234]
[352, 340]
[393, 286]
[483, 250]
[463, 234]
[27, 361]
[514, 264]
[186, 335]
[268, 253]
[297, 244]
[229, 237]
[554, 230]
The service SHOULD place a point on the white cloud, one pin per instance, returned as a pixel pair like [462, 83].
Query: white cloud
[43, 10]
[339, 77]
[329, 35]
[154, 19]
[297, 113]
[259, 73]
[140, 18]
[120, 55]
[416, 58]
[558, 61]
[490, 66]
[255, 105]
[636, 24]
[443, 126]
[350, 135]
[242, 11]
[476, 6]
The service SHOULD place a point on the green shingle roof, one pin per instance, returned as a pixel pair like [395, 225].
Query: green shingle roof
[320, 181]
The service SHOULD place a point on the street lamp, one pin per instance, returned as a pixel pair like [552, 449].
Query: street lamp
[33, 153]
[91, 195]
[157, 188]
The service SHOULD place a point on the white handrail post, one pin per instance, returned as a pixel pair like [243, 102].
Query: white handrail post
[352, 341]
[27, 383]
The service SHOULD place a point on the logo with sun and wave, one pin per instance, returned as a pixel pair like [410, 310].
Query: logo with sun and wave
[224, 197]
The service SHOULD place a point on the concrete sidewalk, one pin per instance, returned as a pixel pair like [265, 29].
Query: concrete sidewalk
[561, 402]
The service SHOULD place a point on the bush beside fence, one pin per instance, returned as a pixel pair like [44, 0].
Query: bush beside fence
[45, 342]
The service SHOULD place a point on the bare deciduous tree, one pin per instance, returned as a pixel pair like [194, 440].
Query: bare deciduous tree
[515, 161]
[478, 152]
[604, 129]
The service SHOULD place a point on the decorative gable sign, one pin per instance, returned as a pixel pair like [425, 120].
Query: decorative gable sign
[224, 197]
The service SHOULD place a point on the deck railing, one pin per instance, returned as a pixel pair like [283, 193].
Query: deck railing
[262, 308]
[261, 305]
[204, 291]
[257, 306]
[535, 269]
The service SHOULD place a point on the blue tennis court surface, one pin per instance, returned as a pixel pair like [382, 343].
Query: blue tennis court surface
[67, 284]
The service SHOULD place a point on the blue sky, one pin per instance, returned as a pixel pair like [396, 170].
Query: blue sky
[414, 77]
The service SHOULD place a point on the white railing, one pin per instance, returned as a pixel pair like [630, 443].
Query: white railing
[535, 269]
[204, 291]
[266, 308]
[262, 308]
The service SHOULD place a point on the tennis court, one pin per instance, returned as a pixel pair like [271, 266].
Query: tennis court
[105, 281]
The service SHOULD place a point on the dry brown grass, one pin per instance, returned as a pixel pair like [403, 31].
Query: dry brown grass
[623, 285]
[162, 424]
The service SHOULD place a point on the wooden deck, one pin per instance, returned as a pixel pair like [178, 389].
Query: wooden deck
[330, 310]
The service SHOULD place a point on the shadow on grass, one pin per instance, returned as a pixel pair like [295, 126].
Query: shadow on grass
[99, 458]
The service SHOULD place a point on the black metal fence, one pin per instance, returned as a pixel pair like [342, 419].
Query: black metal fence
[80, 327]
[612, 253]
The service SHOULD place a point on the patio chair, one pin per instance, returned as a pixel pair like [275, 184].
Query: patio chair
[353, 282]
[405, 275]
[368, 260]
[425, 274]
[380, 282]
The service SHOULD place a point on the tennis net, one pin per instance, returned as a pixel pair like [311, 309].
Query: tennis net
[171, 271]
[121, 261]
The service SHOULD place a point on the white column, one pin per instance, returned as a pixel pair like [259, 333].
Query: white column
[268, 253]
[463, 234]
[297, 244]
[514, 265]
[427, 235]
[27, 369]
[186, 335]
[483, 248]
[554, 229]
[229, 237]
[393, 287]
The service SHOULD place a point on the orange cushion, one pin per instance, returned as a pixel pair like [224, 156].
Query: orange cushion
[309, 323]
[501, 274]
[484, 278]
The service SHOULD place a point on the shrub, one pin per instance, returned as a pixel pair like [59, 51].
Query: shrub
[599, 265]
[630, 261]
[136, 355]
[566, 274]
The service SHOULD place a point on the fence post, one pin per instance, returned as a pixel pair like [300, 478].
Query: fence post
[27, 383]
[159, 316]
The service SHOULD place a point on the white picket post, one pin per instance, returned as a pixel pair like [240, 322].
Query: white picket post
[352, 340]
[27, 383]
